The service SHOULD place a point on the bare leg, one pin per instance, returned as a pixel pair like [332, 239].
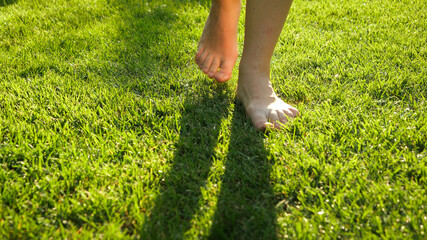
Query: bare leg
[264, 23]
[217, 52]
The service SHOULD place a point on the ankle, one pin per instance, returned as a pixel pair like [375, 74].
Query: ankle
[253, 84]
[254, 66]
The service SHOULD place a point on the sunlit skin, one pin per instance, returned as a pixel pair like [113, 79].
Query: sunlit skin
[217, 51]
[217, 55]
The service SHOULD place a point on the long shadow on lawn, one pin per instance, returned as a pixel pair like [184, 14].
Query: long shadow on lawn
[4, 3]
[245, 208]
[175, 206]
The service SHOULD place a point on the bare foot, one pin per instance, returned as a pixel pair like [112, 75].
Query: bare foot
[262, 105]
[217, 51]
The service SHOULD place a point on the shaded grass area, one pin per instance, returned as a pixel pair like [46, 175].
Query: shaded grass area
[245, 205]
[109, 131]
[6, 2]
[185, 185]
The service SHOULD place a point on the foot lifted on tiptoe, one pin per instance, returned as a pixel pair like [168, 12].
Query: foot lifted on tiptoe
[217, 52]
[262, 105]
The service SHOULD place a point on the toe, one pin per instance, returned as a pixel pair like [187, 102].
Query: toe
[282, 117]
[262, 126]
[207, 64]
[199, 53]
[201, 60]
[288, 113]
[274, 119]
[294, 111]
[214, 67]
[224, 74]
[259, 119]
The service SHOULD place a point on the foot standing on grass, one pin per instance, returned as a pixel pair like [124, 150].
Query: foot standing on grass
[217, 55]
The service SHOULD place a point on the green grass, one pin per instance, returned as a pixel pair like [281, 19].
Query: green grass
[108, 129]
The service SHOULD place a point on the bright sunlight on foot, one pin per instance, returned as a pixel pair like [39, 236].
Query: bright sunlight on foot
[217, 52]
[262, 106]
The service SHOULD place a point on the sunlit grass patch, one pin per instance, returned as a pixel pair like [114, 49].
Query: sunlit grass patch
[108, 129]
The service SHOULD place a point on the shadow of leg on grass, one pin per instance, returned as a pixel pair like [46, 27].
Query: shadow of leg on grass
[245, 208]
[4, 3]
[180, 194]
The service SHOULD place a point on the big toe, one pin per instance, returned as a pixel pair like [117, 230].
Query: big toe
[274, 118]
[264, 125]
[224, 74]
[259, 120]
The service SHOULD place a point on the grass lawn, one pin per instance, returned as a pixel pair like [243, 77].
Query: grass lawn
[109, 130]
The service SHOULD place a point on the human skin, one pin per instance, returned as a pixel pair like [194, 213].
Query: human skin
[218, 43]
[217, 55]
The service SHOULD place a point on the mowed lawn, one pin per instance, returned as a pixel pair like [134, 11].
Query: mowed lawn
[108, 129]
